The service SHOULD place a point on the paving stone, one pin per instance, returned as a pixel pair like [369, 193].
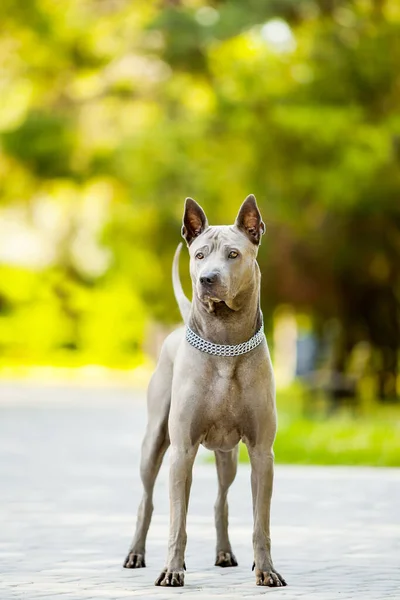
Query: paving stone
[69, 490]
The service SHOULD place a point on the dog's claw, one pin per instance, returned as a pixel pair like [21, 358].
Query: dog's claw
[225, 559]
[170, 579]
[134, 561]
[269, 578]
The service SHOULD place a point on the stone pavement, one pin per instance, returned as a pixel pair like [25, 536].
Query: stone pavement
[69, 490]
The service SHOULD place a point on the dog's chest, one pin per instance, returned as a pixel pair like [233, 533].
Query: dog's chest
[221, 399]
[217, 438]
[223, 409]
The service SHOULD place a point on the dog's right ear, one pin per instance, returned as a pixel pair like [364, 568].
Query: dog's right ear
[194, 221]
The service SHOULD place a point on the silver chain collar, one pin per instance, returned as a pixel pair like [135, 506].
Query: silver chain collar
[224, 349]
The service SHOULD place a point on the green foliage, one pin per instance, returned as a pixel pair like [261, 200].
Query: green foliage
[112, 112]
[43, 142]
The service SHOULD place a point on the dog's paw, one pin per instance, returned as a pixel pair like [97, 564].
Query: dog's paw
[170, 578]
[269, 578]
[225, 559]
[134, 561]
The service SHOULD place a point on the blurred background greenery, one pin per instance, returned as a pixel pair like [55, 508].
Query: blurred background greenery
[113, 111]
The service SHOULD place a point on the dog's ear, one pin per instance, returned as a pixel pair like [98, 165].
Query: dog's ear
[194, 221]
[249, 220]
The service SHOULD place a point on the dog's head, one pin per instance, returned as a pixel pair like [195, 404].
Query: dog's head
[222, 258]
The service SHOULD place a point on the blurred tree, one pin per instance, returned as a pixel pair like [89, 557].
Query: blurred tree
[111, 112]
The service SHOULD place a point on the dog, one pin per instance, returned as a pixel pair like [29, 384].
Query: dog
[213, 385]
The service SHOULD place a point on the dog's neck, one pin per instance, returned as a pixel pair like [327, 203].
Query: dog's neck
[226, 326]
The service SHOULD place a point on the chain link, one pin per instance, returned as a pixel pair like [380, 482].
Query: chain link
[224, 349]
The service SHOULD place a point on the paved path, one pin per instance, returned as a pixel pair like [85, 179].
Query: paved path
[69, 490]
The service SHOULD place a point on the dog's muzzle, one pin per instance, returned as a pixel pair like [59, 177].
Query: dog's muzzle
[209, 279]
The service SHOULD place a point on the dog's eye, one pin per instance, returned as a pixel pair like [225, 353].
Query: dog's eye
[200, 255]
[233, 254]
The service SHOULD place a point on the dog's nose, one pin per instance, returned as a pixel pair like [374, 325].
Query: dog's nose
[209, 278]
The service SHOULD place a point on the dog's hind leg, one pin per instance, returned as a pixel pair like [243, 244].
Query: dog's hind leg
[155, 444]
[226, 470]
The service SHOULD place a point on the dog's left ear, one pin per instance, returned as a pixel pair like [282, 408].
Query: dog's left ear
[249, 220]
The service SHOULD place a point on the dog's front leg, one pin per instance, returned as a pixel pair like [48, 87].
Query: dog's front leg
[180, 480]
[262, 474]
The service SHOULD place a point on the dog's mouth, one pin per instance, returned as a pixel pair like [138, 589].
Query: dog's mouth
[214, 303]
[215, 298]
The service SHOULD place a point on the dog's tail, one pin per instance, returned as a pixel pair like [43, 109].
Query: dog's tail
[183, 302]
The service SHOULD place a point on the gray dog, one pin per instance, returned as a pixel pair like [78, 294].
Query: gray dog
[214, 386]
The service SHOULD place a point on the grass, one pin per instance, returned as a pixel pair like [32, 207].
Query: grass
[370, 436]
